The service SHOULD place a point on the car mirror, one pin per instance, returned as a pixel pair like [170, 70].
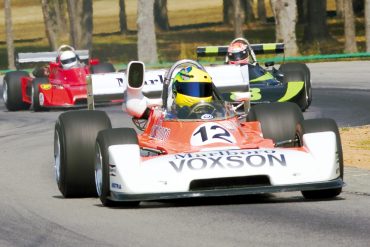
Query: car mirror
[135, 74]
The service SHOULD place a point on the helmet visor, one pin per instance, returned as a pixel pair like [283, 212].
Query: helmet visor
[194, 89]
[236, 56]
[69, 60]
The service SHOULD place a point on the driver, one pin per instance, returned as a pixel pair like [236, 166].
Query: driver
[69, 59]
[191, 85]
[238, 52]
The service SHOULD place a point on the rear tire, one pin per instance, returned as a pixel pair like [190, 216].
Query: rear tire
[299, 72]
[102, 68]
[278, 121]
[105, 139]
[35, 95]
[321, 125]
[12, 91]
[74, 151]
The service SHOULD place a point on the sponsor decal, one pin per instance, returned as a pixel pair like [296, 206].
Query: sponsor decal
[45, 86]
[159, 132]
[155, 80]
[206, 116]
[112, 170]
[120, 82]
[208, 133]
[116, 186]
[228, 159]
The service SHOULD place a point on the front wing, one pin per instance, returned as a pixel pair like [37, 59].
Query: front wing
[224, 172]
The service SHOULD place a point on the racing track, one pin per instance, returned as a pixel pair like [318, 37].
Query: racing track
[34, 214]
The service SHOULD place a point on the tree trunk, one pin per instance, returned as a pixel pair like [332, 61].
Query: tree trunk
[248, 10]
[61, 20]
[367, 24]
[122, 17]
[261, 9]
[50, 24]
[316, 29]
[147, 43]
[9, 33]
[302, 11]
[160, 15]
[349, 28]
[286, 19]
[228, 12]
[81, 23]
[238, 19]
[339, 7]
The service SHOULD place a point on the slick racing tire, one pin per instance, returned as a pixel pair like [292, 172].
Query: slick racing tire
[102, 68]
[74, 151]
[12, 91]
[321, 125]
[299, 72]
[36, 104]
[279, 121]
[106, 138]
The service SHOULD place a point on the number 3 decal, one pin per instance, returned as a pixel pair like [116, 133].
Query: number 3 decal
[211, 133]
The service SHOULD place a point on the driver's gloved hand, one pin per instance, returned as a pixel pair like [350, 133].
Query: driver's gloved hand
[183, 112]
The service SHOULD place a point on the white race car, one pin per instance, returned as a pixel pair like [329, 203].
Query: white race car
[211, 152]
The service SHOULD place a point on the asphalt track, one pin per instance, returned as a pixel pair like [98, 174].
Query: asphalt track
[33, 213]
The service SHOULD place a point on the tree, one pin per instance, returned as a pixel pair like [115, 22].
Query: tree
[228, 16]
[9, 33]
[248, 10]
[238, 19]
[80, 23]
[122, 17]
[367, 24]
[50, 25]
[147, 43]
[339, 7]
[160, 15]
[316, 29]
[261, 10]
[349, 28]
[302, 11]
[285, 12]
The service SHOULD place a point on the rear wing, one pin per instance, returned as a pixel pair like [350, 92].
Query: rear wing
[218, 51]
[43, 57]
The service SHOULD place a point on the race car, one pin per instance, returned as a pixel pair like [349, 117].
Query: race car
[212, 152]
[53, 86]
[291, 82]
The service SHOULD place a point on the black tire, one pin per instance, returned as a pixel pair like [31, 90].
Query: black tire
[102, 68]
[278, 121]
[320, 125]
[299, 72]
[12, 91]
[105, 139]
[36, 106]
[74, 151]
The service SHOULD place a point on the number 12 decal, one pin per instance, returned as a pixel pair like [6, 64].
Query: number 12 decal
[211, 133]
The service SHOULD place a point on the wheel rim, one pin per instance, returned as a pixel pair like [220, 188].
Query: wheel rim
[5, 92]
[57, 156]
[98, 170]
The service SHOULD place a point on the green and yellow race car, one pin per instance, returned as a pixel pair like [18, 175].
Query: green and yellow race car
[290, 82]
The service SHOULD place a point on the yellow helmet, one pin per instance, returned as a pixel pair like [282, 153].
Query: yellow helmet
[192, 85]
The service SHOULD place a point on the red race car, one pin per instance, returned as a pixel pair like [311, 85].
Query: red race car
[60, 84]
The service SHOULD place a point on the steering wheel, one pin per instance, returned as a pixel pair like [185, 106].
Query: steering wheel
[202, 108]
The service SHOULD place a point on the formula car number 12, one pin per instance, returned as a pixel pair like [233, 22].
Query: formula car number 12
[211, 133]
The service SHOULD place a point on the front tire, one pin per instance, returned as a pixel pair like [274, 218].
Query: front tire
[321, 125]
[102, 68]
[74, 151]
[12, 91]
[106, 138]
[299, 72]
[35, 95]
[278, 121]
